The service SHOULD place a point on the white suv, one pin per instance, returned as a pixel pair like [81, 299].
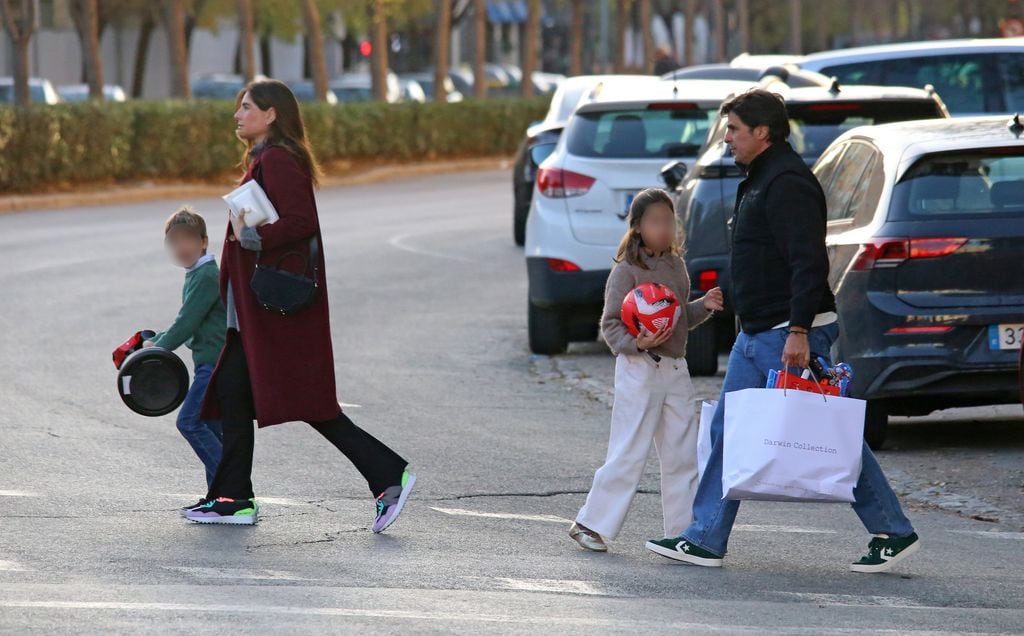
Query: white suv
[615, 144]
[973, 77]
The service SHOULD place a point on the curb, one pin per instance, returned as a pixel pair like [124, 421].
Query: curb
[149, 191]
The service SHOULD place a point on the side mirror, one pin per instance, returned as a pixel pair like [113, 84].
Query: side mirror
[673, 174]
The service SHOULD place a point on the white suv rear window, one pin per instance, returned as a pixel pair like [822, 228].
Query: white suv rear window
[658, 131]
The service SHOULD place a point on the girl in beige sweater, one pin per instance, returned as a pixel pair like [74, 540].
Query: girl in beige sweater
[653, 392]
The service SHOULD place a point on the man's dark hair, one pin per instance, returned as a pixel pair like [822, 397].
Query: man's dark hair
[758, 107]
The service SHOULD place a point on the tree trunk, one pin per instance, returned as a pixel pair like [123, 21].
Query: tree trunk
[142, 54]
[743, 17]
[246, 40]
[174, 19]
[480, 48]
[531, 44]
[315, 48]
[719, 20]
[266, 60]
[691, 15]
[576, 38]
[796, 27]
[85, 15]
[622, 19]
[442, 47]
[20, 25]
[824, 24]
[647, 65]
[379, 65]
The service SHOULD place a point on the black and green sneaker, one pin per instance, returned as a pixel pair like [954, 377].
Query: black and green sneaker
[242, 512]
[885, 551]
[680, 549]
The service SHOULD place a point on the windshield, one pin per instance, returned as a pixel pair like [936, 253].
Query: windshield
[815, 126]
[967, 183]
[659, 131]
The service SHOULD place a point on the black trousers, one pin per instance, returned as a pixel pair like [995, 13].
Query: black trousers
[379, 465]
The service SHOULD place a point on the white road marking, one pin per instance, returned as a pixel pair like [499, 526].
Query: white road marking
[854, 600]
[238, 573]
[990, 534]
[452, 616]
[18, 493]
[398, 242]
[11, 566]
[502, 515]
[771, 528]
[277, 501]
[549, 585]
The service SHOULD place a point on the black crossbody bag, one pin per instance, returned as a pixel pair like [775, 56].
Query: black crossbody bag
[284, 292]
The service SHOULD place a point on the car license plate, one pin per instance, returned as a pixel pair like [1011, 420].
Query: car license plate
[629, 201]
[1005, 336]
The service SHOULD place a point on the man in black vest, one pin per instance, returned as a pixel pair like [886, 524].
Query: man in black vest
[780, 292]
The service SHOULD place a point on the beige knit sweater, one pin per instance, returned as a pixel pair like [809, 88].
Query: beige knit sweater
[668, 270]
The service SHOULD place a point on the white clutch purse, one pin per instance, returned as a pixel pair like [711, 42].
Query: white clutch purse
[250, 197]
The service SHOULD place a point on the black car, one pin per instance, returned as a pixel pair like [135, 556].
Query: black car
[926, 244]
[706, 196]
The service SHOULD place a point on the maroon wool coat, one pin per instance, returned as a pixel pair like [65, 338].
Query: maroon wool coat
[291, 362]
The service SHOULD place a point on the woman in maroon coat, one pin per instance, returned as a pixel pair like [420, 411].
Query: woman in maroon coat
[278, 368]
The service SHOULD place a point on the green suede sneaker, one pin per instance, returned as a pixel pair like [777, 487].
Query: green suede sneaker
[680, 549]
[885, 551]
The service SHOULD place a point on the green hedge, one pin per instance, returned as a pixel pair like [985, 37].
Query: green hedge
[81, 143]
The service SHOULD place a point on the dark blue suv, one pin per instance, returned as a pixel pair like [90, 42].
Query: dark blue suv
[705, 197]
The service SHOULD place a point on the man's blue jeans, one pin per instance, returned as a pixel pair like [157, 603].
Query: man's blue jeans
[204, 436]
[749, 362]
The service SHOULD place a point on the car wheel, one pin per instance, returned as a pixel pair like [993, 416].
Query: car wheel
[519, 223]
[546, 330]
[876, 424]
[702, 350]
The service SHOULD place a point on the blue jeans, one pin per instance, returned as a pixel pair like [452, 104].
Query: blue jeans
[749, 361]
[204, 436]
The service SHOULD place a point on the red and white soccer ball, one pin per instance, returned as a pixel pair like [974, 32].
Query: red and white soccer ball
[650, 305]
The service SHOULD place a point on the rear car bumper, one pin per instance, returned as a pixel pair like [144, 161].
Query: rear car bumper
[549, 288]
[920, 376]
[917, 387]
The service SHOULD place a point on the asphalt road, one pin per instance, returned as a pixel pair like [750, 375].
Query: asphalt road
[428, 308]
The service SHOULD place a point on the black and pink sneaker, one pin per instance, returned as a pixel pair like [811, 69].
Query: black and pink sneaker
[224, 510]
[197, 504]
[391, 502]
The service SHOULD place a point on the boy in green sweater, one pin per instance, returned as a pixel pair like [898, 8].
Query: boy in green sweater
[200, 325]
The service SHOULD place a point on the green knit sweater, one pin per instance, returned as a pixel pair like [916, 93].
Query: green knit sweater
[201, 322]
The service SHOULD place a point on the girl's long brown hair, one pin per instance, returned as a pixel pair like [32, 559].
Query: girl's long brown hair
[287, 129]
[632, 244]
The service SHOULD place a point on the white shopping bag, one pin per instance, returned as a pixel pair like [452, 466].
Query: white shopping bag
[707, 411]
[791, 446]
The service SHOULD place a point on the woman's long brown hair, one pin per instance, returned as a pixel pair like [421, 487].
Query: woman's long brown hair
[632, 243]
[287, 130]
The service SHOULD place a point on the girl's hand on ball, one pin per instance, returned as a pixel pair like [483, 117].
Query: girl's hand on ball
[714, 300]
[647, 340]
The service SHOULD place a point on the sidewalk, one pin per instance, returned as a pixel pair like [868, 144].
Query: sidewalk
[338, 174]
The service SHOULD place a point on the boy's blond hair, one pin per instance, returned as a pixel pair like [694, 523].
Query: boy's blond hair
[186, 217]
